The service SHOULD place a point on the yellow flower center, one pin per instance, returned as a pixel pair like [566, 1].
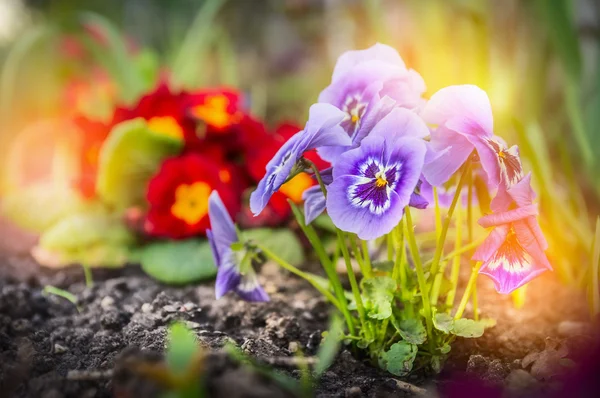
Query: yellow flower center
[294, 188]
[166, 125]
[354, 118]
[214, 112]
[191, 202]
[501, 155]
[380, 181]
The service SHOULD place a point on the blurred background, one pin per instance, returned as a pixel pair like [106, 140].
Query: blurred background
[539, 61]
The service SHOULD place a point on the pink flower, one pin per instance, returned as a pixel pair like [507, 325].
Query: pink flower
[463, 116]
[513, 254]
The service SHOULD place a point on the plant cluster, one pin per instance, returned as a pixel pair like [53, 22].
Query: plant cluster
[112, 181]
[394, 154]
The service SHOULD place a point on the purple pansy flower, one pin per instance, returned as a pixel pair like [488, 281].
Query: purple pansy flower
[398, 123]
[366, 85]
[322, 129]
[513, 254]
[374, 182]
[463, 116]
[235, 272]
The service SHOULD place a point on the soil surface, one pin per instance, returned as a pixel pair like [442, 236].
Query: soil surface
[50, 348]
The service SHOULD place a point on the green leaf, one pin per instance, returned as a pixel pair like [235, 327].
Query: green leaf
[129, 157]
[468, 328]
[386, 266]
[86, 229]
[178, 262]
[93, 237]
[399, 359]
[411, 330]
[378, 294]
[330, 345]
[282, 242]
[37, 207]
[181, 348]
[443, 322]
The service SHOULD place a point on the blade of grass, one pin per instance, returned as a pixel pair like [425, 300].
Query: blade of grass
[194, 44]
[595, 277]
[114, 55]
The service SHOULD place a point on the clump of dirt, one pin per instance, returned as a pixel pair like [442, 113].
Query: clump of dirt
[52, 348]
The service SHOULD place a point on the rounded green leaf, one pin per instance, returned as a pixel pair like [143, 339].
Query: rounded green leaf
[399, 359]
[129, 157]
[411, 330]
[178, 262]
[282, 242]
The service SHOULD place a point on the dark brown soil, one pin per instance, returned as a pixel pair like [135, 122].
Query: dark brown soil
[123, 318]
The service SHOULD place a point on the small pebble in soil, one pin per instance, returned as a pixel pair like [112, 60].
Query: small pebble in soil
[147, 308]
[60, 349]
[107, 303]
[353, 392]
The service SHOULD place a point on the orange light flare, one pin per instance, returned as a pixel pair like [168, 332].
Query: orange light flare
[44, 153]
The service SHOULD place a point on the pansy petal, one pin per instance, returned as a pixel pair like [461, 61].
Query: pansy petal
[406, 91]
[213, 248]
[378, 52]
[447, 152]
[465, 109]
[374, 114]
[399, 123]
[222, 227]
[349, 217]
[250, 290]
[314, 203]
[509, 277]
[228, 276]
[492, 243]
[528, 235]
[417, 201]
[509, 216]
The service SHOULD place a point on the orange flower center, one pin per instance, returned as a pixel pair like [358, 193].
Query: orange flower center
[214, 112]
[380, 181]
[294, 188]
[224, 176]
[166, 125]
[191, 202]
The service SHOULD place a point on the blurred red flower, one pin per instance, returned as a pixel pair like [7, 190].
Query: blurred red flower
[93, 134]
[258, 154]
[178, 196]
[218, 108]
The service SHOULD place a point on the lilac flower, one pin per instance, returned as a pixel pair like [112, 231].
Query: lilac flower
[513, 253]
[374, 182]
[235, 272]
[464, 120]
[366, 85]
[321, 130]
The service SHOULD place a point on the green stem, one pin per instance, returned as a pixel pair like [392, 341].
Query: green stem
[442, 240]
[414, 252]
[367, 257]
[284, 264]
[352, 278]
[328, 266]
[87, 273]
[467, 293]
[474, 300]
[454, 274]
[438, 214]
[359, 258]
